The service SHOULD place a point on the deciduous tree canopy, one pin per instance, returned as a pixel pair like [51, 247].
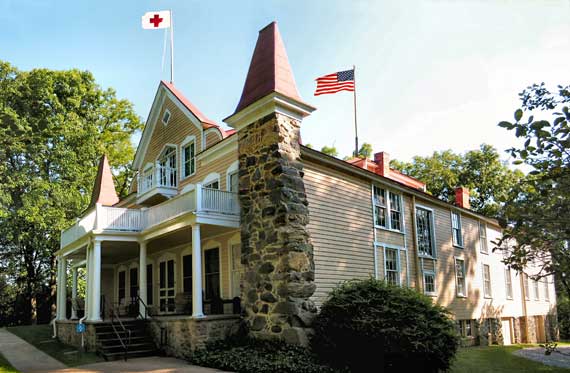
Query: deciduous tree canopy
[54, 127]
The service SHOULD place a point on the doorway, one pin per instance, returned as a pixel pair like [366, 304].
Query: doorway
[166, 291]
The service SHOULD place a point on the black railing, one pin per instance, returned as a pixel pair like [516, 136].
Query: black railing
[126, 332]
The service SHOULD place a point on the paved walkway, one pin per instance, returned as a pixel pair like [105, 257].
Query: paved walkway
[28, 359]
[555, 359]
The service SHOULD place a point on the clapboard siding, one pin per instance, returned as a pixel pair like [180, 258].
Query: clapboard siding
[340, 226]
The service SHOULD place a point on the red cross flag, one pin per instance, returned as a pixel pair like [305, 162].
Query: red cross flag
[156, 20]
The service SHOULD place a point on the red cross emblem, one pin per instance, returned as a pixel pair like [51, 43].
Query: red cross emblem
[156, 20]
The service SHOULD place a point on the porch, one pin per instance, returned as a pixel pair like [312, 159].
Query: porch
[180, 257]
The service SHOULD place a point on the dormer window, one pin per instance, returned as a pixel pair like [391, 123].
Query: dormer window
[165, 117]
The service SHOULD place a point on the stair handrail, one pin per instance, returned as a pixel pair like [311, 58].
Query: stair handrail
[114, 315]
[145, 306]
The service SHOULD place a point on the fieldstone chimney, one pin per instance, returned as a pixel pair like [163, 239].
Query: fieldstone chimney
[382, 159]
[462, 197]
[104, 191]
[276, 249]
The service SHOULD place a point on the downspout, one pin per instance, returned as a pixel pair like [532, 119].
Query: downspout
[376, 275]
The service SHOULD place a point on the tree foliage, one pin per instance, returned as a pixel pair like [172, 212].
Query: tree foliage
[330, 150]
[538, 212]
[54, 127]
[488, 178]
[365, 150]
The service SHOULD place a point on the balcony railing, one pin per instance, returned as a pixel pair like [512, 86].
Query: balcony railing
[104, 218]
[157, 177]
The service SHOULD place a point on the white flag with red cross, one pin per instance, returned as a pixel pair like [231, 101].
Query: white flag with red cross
[156, 20]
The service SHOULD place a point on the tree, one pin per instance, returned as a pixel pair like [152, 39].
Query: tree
[54, 127]
[482, 171]
[365, 150]
[330, 150]
[539, 224]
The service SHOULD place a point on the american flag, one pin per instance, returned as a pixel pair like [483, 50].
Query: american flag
[335, 82]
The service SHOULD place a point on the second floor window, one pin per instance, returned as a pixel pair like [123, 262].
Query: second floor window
[486, 281]
[189, 159]
[387, 209]
[456, 229]
[508, 284]
[460, 277]
[526, 289]
[167, 166]
[424, 224]
[483, 237]
[536, 291]
[546, 290]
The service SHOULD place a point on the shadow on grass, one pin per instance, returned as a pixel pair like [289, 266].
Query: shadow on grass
[6, 367]
[40, 337]
[498, 359]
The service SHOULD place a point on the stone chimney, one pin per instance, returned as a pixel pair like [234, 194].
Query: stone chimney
[276, 249]
[382, 159]
[104, 192]
[462, 197]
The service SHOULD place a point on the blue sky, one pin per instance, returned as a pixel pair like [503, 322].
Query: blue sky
[431, 75]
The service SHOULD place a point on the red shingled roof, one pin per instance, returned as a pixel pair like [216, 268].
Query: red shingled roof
[190, 106]
[104, 189]
[269, 70]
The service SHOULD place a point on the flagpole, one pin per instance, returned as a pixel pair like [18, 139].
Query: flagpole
[355, 122]
[171, 48]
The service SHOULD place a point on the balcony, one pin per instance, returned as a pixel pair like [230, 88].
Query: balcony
[158, 180]
[211, 203]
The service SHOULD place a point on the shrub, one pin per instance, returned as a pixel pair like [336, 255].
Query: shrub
[563, 311]
[260, 356]
[368, 324]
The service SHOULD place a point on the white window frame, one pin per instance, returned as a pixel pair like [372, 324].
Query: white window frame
[459, 229]
[433, 236]
[463, 328]
[232, 170]
[210, 179]
[508, 284]
[536, 290]
[429, 273]
[465, 292]
[166, 111]
[483, 244]
[398, 266]
[235, 268]
[186, 143]
[526, 286]
[488, 295]
[388, 209]
[546, 290]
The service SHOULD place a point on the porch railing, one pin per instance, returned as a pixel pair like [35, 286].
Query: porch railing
[157, 176]
[136, 220]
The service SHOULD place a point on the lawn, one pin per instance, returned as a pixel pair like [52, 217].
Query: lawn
[5, 366]
[497, 359]
[40, 337]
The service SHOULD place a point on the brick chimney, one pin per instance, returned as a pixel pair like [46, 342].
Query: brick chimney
[382, 159]
[462, 197]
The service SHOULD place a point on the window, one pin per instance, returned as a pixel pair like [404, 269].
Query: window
[167, 168]
[187, 274]
[483, 238]
[166, 117]
[424, 223]
[392, 266]
[526, 288]
[122, 285]
[134, 283]
[213, 185]
[237, 269]
[149, 292]
[189, 159]
[486, 281]
[536, 292]
[546, 290]
[212, 266]
[456, 229]
[460, 277]
[380, 218]
[508, 284]
[385, 202]
[429, 283]
[395, 211]
[234, 182]
[465, 328]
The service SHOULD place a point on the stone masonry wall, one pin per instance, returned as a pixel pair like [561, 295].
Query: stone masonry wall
[277, 252]
[67, 334]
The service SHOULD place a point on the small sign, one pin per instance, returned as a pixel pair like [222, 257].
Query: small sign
[80, 328]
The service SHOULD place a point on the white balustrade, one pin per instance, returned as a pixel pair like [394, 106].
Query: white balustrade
[136, 220]
[157, 177]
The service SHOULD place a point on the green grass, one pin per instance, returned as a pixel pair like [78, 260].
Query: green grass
[5, 366]
[40, 337]
[498, 359]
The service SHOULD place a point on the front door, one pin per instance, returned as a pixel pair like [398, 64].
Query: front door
[506, 330]
[166, 291]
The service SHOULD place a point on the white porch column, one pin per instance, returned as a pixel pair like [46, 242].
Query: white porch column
[88, 282]
[96, 285]
[61, 289]
[142, 276]
[73, 293]
[197, 309]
